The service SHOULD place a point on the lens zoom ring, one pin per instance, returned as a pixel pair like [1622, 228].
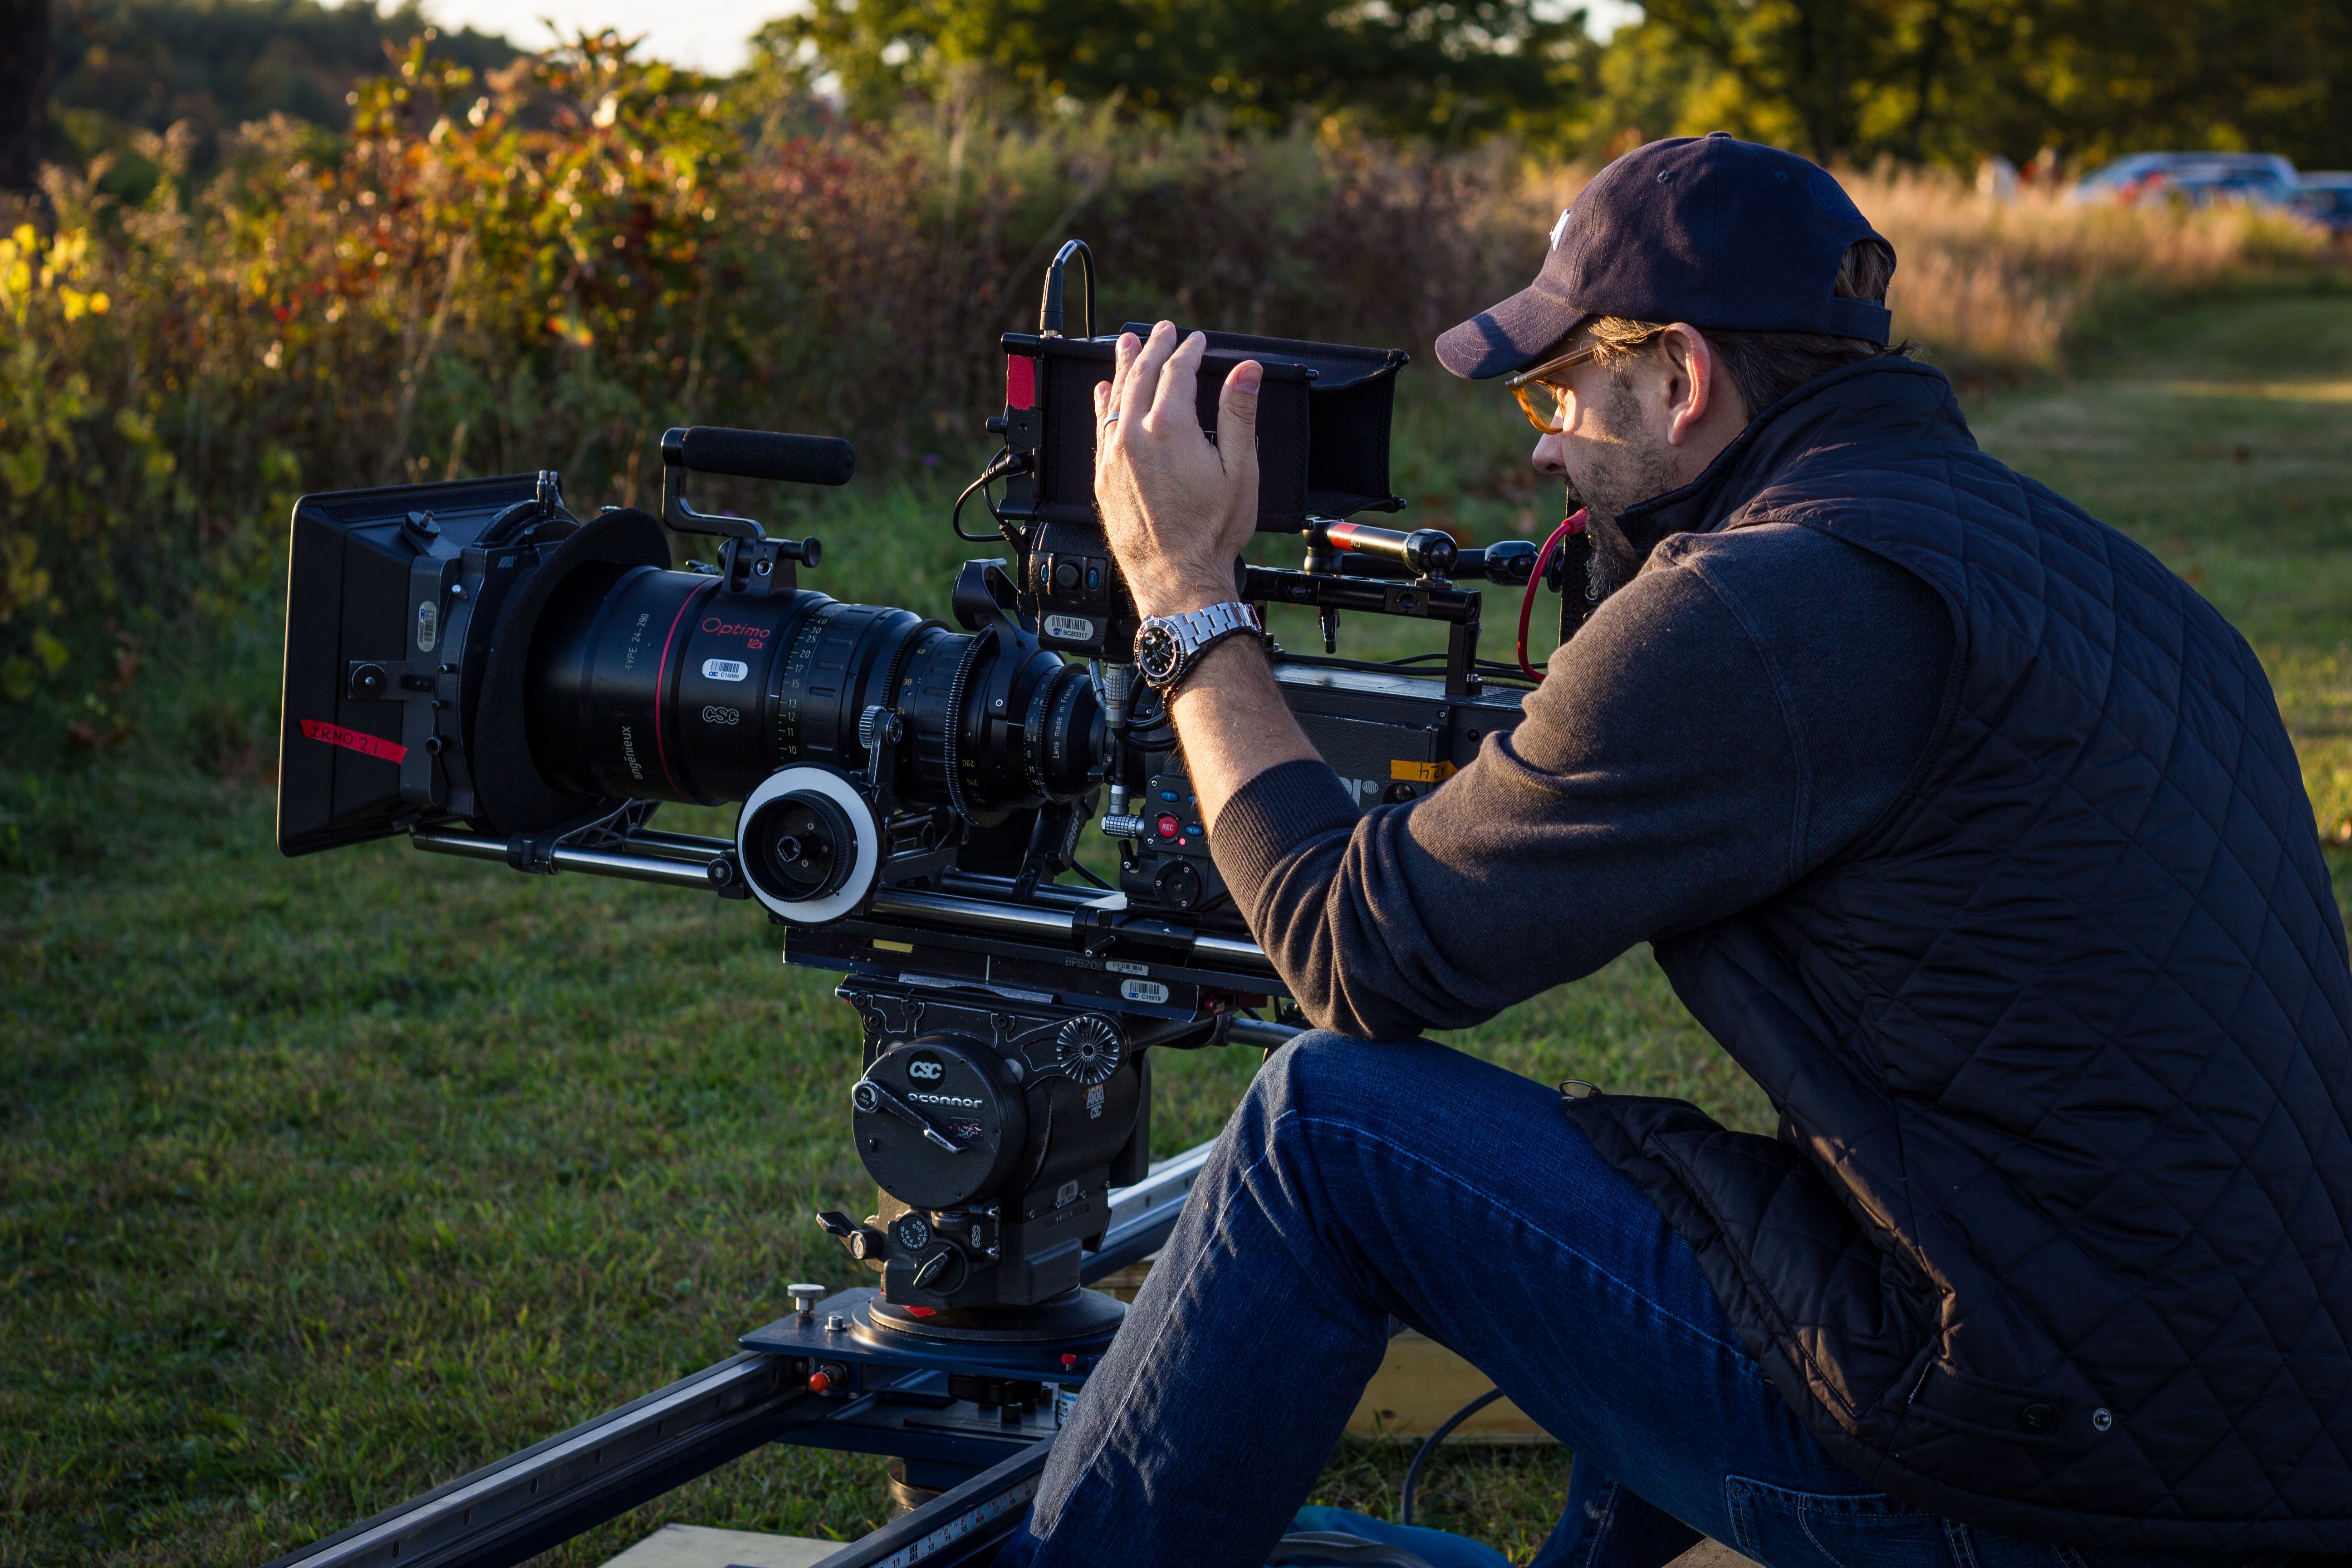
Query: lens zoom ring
[952, 748]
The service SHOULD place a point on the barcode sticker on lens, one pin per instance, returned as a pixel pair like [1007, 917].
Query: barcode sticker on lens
[724, 669]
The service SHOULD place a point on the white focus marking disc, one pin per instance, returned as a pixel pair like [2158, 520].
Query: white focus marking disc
[810, 778]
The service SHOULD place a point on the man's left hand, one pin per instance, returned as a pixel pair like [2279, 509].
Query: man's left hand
[1178, 507]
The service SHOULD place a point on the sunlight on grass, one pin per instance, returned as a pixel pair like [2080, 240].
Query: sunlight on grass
[322, 1181]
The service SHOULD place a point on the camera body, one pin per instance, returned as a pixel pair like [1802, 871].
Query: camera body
[1323, 420]
[471, 664]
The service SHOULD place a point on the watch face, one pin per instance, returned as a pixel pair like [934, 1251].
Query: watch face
[1156, 651]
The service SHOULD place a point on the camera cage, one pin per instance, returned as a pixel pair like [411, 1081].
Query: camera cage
[419, 618]
[986, 989]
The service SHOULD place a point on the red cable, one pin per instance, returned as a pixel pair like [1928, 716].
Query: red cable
[1535, 580]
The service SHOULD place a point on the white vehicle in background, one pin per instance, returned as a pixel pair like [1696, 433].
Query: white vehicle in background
[2198, 178]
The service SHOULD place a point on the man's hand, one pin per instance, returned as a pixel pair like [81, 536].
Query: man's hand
[1178, 508]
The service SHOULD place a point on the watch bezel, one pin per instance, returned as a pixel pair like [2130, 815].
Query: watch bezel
[1157, 631]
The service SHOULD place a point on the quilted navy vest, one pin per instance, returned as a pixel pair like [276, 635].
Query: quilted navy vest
[2052, 1238]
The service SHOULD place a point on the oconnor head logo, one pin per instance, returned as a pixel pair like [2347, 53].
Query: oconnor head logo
[943, 1100]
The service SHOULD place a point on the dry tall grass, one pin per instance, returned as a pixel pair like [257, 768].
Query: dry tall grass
[2002, 288]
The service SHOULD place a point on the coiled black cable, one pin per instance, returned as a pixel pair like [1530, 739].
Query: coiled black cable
[1004, 463]
[1429, 1446]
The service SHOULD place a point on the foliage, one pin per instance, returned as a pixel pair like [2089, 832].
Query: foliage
[547, 266]
[1955, 80]
[1429, 68]
[125, 66]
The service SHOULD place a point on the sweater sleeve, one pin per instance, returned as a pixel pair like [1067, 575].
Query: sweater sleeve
[1686, 756]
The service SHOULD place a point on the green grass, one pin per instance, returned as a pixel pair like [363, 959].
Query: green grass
[321, 1181]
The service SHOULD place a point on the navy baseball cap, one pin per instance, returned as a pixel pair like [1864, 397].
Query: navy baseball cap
[1706, 229]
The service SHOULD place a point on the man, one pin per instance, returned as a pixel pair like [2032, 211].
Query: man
[1961, 822]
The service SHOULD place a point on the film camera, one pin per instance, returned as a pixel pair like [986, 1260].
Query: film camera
[473, 665]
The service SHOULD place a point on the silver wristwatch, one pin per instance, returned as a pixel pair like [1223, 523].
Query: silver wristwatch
[1169, 648]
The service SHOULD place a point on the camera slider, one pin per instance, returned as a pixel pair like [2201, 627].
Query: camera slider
[961, 1419]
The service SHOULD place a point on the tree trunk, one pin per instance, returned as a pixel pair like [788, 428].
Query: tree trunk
[23, 93]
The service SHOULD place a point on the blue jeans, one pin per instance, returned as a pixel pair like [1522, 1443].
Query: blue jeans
[1357, 1182]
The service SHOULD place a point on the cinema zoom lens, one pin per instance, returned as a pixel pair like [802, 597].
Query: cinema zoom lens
[663, 685]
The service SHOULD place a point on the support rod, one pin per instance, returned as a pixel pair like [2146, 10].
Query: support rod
[526, 1502]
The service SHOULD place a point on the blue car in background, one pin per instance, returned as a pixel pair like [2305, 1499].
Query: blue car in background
[2325, 198]
[2197, 177]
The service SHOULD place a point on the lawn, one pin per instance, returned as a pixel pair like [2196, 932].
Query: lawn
[321, 1181]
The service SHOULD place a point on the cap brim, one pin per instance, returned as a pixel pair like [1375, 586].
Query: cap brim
[1509, 336]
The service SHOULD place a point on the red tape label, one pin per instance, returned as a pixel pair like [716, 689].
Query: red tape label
[1020, 382]
[352, 741]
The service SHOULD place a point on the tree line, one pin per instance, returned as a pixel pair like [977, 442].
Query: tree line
[1948, 81]
[1937, 81]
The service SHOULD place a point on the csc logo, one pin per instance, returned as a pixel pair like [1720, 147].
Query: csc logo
[928, 1071]
[718, 715]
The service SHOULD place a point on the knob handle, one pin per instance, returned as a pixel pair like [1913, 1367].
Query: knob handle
[879, 724]
[804, 1299]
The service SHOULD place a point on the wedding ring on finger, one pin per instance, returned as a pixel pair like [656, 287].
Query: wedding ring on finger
[1111, 419]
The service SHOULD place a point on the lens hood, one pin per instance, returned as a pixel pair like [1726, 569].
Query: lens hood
[511, 795]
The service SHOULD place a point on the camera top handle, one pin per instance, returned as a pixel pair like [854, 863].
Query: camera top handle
[745, 455]
[748, 553]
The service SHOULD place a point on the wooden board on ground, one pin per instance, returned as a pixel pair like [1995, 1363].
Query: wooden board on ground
[698, 1546]
[1420, 1383]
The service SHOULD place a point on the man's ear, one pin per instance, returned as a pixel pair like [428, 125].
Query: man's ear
[1696, 386]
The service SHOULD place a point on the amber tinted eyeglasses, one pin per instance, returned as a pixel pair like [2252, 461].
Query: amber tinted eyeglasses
[1529, 384]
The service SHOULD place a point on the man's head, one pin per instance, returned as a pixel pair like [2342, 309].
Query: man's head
[1783, 278]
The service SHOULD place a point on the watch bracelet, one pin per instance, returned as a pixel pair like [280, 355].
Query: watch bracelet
[1206, 628]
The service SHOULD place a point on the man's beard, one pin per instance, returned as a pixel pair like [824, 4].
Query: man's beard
[1617, 477]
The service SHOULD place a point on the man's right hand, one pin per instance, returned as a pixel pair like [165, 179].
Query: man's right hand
[1176, 506]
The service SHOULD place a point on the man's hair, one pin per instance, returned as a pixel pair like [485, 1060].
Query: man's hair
[1767, 366]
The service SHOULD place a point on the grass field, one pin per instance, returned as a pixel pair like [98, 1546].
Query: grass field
[321, 1181]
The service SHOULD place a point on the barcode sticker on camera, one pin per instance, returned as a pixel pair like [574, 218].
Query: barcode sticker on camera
[1143, 991]
[1070, 628]
[724, 669]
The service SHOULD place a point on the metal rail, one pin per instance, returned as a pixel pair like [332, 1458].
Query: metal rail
[959, 1526]
[671, 860]
[665, 871]
[526, 1502]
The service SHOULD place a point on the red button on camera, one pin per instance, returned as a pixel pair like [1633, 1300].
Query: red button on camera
[1169, 827]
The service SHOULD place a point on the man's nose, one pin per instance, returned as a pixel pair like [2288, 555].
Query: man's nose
[1550, 457]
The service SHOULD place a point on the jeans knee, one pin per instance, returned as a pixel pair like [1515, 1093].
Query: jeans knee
[1308, 1066]
[1322, 1076]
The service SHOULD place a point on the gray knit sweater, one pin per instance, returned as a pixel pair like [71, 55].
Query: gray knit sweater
[1725, 724]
